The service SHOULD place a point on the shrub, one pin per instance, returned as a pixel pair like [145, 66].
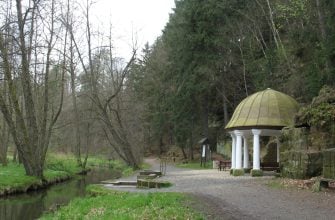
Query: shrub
[256, 173]
[238, 172]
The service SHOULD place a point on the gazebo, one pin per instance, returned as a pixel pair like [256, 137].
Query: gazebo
[263, 113]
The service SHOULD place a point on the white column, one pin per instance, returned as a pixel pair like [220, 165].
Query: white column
[233, 150]
[238, 159]
[256, 150]
[245, 152]
[278, 149]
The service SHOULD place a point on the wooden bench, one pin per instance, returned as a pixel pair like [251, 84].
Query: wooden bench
[223, 165]
[327, 183]
[270, 166]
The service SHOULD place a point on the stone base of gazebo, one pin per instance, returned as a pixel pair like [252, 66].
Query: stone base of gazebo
[241, 172]
[247, 170]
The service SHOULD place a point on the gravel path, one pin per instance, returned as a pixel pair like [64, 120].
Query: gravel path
[221, 196]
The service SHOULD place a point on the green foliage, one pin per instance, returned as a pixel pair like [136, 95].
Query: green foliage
[321, 112]
[320, 116]
[238, 172]
[68, 163]
[316, 187]
[256, 173]
[214, 53]
[56, 175]
[13, 178]
[301, 164]
[328, 170]
[99, 190]
[295, 9]
[97, 161]
[108, 204]
[63, 162]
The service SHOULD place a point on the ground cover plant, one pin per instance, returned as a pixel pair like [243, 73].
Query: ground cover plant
[108, 204]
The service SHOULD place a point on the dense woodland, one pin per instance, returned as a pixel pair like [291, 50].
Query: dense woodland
[62, 88]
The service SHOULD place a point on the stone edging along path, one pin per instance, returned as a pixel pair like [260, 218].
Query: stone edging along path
[221, 196]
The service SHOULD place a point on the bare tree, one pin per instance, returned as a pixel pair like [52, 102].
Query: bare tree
[30, 122]
[105, 101]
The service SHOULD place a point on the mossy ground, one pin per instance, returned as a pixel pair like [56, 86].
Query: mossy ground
[107, 204]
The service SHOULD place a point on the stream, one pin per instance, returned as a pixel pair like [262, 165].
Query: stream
[33, 204]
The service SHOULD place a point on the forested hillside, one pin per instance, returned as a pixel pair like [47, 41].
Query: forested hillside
[214, 53]
[63, 87]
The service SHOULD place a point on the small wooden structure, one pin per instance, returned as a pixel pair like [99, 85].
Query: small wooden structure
[205, 151]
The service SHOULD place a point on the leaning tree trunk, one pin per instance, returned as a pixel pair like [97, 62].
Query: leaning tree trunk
[77, 150]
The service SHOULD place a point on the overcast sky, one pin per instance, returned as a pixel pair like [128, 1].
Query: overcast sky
[145, 18]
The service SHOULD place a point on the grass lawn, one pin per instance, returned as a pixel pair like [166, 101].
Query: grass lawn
[13, 176]
[14, 179]
[107, 204]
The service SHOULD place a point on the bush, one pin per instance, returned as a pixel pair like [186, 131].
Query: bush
[256, 173]
[238, 172]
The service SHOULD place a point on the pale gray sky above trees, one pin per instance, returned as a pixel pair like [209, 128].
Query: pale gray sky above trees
[143, 19]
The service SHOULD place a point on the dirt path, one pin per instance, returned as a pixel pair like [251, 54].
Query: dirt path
[221, 196]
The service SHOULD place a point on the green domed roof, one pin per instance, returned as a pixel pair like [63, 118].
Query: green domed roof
[265, 109]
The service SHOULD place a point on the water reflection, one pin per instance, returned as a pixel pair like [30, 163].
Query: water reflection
[31, 205]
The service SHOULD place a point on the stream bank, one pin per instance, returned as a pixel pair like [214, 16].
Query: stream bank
[33, 204]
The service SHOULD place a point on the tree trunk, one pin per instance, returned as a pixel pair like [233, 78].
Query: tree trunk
[184, 153]
[14, 155]
[190, 148]
[225, 111]
[205, 116]
[88, 142]
[4, 141]
[190, 153]
[4, 144]
[160, 145]
[321, 20]
[171, 142]
[77, 150]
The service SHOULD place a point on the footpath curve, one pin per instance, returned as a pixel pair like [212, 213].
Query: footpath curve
[221, 196]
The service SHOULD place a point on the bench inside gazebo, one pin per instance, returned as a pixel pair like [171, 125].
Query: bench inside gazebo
[263, 113]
